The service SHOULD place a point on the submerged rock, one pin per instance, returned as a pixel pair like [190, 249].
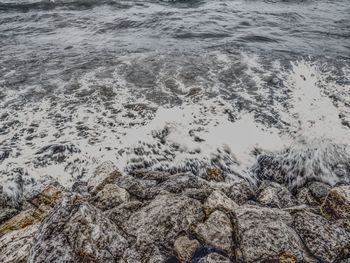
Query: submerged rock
[75, 231]
[337, 203]
[326, 241]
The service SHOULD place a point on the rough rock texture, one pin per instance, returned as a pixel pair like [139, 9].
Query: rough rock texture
[241, 192]
[163, 219]
[184, 248]
[214, 258]
[275, 195]
[304, 196]
[219, 201]
[110, 196]
[104, 174]
[48, 196]
[265, 233]
[216, 231]
[337, 203]
[15, 246]
[324, 240]
[76, 231]
[319, 190]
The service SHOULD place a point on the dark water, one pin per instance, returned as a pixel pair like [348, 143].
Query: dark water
[76, 77]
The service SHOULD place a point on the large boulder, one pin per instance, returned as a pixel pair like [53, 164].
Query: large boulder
[75, 231]
[266, 233]
[162, 220]
[216, 231]
[15, 246]
[326, 241]
[337, 203]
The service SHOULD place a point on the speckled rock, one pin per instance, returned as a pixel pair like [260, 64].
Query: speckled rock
[324, 240]
[184, 248]
[215, 174]
[304, 196]
[49, 195]
[137, 187]
[219, 201]
[241, 192]
[163, 219]
[319, 190]
[265, 233]
[337, 203]
[106, 173]
[214, 258]
[110, 196]
[216, 231]
[7, 213]
[275, 195]
[75, 231]
[15, 246]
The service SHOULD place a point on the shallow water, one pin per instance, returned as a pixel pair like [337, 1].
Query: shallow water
[175, 86]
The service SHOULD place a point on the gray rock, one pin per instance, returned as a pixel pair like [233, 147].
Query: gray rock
[106, 173]
[324, 240]
[120, 215]
[75, 231]
[216, 231]
[275, 195]
[266, 233]
[162, 220]
[7, 213]
[241, 192]
[110, 196]
[219, 201]
[137, 187]
[304, 196]
[15, 246]
[214, 258]
[319, 190]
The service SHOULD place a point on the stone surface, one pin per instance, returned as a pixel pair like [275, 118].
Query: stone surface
[110, 196]
[7, 213]
[214, 258]
[324, 240]
[216, 231]
[184, 248]
[241, 192]
[15, 246]
[337, 203]
[137, 187]
[24, 219]
[215, 174]
[266, 233]
[304, 196]
[75, 231]
[48, 196]
[275, 195]
[106, 173]
[163, 219]
[319, 190]
[219, 201]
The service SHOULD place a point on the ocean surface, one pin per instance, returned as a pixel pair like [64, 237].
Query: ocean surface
[256, 88]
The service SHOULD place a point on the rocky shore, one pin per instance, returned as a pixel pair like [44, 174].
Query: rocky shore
[157, 217]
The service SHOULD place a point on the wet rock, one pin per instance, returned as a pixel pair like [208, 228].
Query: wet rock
[214, 258]
[319, 190]
[75, 231]
[219, 201]
[106, 173]
[120, 215]
[184, 248]
[7, 213]
[162, 220]
[48, 196]
[15, 246]
[215, 174]
[304, 196]
[275, 195]
[324, 240]
[136, 187]
[216, 231]
[24, 219]
[337, 203]
[81, 188]
[110, 196]
[241, 192]
[266, 233]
